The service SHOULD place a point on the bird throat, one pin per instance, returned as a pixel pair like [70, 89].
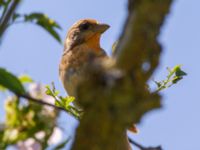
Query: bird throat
[93, 42]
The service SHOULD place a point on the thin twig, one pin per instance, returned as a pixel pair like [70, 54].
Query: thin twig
[142, 147]
[42, 102]
[6, 4]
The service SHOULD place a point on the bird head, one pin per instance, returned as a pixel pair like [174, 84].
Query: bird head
[86, 31]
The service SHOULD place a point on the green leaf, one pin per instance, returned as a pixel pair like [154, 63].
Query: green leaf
[174, 69]
[176, 79]
[69, 100]
[51, 92]
[41, 17]
[25, 79]
[11, 82]
[63, 102]
[180, 73]
[58, 103]
[48, 91]
[51, 30]
[175, 75]
[46, 23]
[159, 84]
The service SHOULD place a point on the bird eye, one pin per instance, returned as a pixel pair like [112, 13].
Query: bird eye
[85, 26]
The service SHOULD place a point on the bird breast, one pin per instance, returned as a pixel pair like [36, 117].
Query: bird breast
[72, 66]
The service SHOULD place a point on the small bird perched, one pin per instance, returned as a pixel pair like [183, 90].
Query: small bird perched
[82, 41]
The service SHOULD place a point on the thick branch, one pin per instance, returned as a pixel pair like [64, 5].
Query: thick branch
[115, 96]
[42, 102]
[139, 44]
[138, 50]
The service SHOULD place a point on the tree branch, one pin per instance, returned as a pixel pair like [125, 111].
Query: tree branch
[42, 102]
[138, 45]
[138, 51]
[114, 95]
[6, 17]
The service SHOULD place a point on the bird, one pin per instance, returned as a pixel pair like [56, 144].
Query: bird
[82, 41]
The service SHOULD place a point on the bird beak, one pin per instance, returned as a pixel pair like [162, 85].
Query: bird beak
[101, 28]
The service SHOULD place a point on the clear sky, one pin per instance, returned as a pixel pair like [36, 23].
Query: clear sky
[28, 49]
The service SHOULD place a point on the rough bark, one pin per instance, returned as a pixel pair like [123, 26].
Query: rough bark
[115, 94]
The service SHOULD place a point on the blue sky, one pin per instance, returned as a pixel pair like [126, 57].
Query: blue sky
[28, 49]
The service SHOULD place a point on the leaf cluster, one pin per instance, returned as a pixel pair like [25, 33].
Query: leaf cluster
[64, 102]
[24, 119]
[174, 76]
[41, 20]
[37, 18]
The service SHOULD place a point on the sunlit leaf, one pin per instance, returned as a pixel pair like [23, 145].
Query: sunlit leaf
[176, 79]
[25, 79]
[51, 92]
[63, 102]
[175, 75]
[59, 103]
[69, 100]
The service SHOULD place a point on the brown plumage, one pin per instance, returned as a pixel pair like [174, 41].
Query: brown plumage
[82, 41]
